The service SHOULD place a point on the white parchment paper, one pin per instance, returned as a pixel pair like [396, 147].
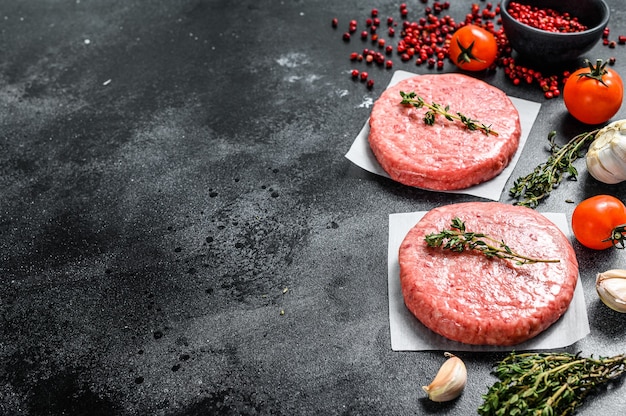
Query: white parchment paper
[409, 334]
[361, 155]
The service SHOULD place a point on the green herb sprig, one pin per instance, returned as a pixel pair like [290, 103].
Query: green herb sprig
[529, 190]
[412, 99]
[547, 384]
[458, 239]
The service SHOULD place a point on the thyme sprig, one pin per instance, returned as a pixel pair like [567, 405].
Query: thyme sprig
[458, 239]
[547, 384]
[529, 190]
[412, 99]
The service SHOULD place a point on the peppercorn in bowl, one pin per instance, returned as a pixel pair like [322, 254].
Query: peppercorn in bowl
[553, 31]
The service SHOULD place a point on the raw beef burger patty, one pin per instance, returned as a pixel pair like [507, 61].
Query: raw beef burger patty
[470, 298]
[446, 155]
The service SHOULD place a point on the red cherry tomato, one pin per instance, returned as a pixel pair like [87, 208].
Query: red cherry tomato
[593, 94]
[473, 48]
[599, 222]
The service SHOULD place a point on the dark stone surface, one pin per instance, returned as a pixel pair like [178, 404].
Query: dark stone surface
[179, 229]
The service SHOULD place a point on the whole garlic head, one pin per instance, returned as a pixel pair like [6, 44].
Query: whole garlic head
[606, 157]
[611, 287]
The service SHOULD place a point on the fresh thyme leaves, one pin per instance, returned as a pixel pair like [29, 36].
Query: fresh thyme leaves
[529, 190]
[458, 239]
[547, 384]
[412, 99]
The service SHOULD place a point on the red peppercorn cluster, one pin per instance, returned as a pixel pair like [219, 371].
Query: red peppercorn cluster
[518, 74]
[544, 18]
[426, 41]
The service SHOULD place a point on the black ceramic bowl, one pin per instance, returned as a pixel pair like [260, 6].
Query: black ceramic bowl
[550, 47]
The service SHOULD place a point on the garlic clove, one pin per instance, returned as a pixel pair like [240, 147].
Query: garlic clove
[605, 166]
[450, 380]
[606, 157]
[611, 288]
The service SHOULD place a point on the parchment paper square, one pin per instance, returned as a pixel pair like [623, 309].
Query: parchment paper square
[361, 154]
[409, 334]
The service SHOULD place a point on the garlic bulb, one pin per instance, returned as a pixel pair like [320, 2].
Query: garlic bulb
[449, 382]
[611, 287]
[606, 157]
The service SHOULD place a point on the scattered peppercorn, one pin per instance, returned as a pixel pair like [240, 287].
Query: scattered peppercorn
[426, 41]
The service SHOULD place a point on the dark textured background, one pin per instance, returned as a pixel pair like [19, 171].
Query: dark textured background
[173, 177]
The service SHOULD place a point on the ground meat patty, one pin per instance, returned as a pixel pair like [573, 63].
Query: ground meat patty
[446, 155]
[469, 298]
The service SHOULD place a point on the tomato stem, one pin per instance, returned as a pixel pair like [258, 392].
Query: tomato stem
[618, 237]
[596, 71]
[466, 55]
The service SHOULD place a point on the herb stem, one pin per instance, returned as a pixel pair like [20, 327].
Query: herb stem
[458, 239]
[529, 190]
[547, 384]
[412, 99]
